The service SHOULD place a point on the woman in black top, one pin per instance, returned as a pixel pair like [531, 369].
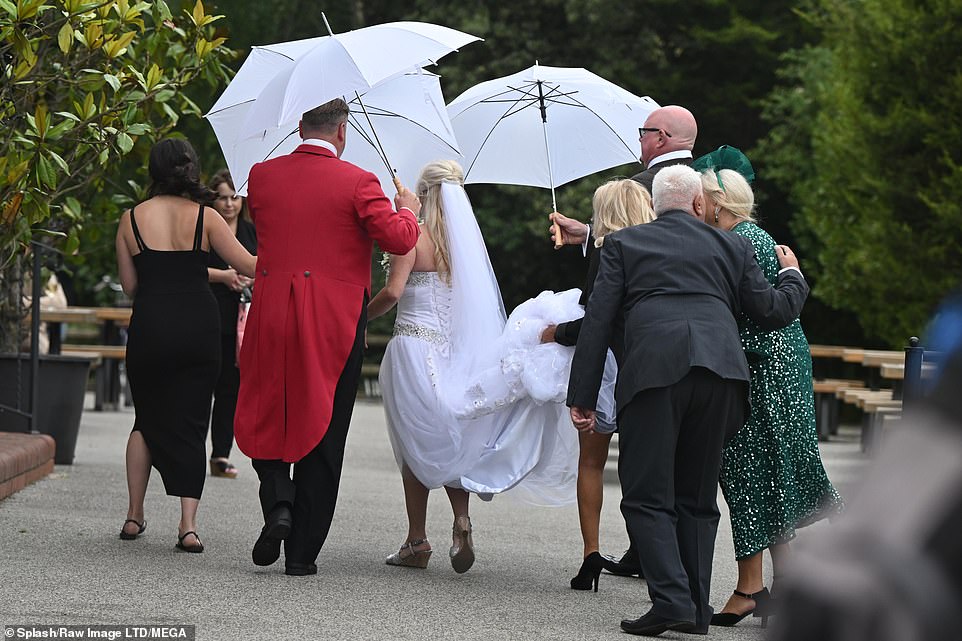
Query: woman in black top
[227, 286]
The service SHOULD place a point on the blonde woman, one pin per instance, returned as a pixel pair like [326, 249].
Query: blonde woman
[772, 475]
[445, 431]
[617, 204]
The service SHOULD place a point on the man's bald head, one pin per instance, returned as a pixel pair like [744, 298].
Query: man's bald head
[677, 131]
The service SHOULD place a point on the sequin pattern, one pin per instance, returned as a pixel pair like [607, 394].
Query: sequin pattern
[419, 331]
[772, 475]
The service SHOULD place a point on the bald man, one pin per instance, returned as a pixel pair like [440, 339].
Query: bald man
[667, 138]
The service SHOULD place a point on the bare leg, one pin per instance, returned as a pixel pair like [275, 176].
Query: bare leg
[749, 581]
[188, 519]
[416, 503]
[462, 545]
[138, 474]
[591, 468]
[459, 500]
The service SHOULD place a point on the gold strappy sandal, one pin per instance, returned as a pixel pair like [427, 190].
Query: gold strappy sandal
[408, 557]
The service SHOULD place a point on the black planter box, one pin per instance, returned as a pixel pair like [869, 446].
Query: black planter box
[63, 381]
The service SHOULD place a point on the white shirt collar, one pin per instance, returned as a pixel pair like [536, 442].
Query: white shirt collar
[317, 142]
[671, 155]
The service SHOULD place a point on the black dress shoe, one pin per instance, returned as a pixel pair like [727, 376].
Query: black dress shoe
[651, 625]
[300, 569]
[267, 549]
[694, 628]
[627, 565]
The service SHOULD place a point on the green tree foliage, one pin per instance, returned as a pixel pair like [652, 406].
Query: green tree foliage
[85, 86]
[868, 141]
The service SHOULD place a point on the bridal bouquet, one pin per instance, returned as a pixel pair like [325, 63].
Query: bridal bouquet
[385, 264]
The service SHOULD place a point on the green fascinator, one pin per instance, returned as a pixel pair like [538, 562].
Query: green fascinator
[725, 157]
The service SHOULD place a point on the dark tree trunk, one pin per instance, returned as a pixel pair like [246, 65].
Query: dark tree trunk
[12, 308]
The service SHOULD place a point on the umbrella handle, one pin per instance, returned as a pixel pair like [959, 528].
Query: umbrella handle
[558, 243]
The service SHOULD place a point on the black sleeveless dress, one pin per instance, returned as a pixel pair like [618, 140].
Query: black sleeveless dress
[173, 358]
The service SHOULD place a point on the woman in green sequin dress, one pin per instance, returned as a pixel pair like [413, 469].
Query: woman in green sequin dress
[772, 475]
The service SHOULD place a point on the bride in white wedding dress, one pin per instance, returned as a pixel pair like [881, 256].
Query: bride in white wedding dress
[472, 404]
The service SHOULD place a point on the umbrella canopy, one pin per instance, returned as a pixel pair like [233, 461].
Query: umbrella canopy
[407, 112]
[308, 73]
[546, 126]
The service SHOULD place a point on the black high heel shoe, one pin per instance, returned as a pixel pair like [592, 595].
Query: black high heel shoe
[589, 573]
[762, 600]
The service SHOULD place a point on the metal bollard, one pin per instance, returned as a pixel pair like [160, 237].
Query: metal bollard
[912, 380]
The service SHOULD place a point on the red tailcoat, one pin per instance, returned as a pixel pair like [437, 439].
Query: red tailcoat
[317, 217]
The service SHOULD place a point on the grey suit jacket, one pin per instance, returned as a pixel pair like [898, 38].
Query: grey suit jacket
[647, 176]
[681, 285]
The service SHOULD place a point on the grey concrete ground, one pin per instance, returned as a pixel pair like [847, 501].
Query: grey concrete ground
[62, 562]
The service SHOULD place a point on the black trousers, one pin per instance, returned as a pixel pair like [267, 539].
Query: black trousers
[312, 492]
[225, 399]
[671, 441]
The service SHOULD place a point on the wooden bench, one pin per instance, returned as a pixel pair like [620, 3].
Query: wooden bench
[827, 362]
[874, 405]
[827, 351]
[827, 403]
[896, 371]
[107, 375]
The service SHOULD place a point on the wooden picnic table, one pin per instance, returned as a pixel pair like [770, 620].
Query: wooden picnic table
[68, 315]
[877, 358]
[827, 351]
[111, 350]
[896, 371]
[110, 318]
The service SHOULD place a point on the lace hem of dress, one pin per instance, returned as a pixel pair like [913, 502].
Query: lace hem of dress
[419, 331]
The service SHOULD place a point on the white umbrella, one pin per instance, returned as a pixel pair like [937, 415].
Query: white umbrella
[321, 69]
[407, 111]
[546, 126]
[281, 81]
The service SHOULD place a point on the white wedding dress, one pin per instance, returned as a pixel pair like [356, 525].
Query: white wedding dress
[503, 425]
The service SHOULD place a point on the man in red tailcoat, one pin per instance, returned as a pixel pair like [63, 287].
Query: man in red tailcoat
[317, 217]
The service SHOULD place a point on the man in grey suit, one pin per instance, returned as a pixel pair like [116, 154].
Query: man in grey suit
[666, 139]
[683, 389]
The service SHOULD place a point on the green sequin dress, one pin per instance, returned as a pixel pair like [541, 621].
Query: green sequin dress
[772, 475]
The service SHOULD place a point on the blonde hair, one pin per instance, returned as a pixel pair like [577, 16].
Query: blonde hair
[732, 193]
[428, 189]
[618, 204]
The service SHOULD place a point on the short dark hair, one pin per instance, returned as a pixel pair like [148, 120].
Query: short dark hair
[326, 117]
[175, 171]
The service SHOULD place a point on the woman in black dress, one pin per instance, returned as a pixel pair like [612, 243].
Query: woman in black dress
[173, 347]
[227, 286]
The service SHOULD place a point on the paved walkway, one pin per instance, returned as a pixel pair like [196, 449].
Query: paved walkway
[62, 562]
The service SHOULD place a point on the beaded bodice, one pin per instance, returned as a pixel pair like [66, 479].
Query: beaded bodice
[424, 309]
